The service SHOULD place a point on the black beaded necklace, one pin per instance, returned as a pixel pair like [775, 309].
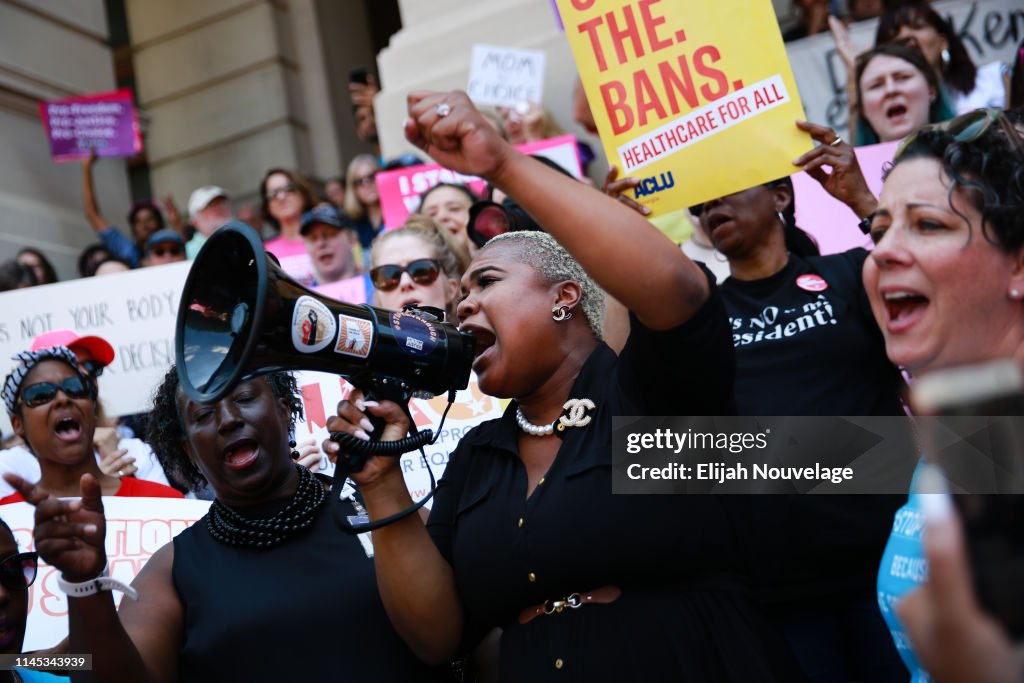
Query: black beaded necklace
[230, 528]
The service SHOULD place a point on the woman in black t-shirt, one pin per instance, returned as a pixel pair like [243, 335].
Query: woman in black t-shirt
[807, 344]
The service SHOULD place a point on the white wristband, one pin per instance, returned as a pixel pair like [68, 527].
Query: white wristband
[103, 582]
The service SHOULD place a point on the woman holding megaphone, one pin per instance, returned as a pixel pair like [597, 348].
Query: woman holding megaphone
[264, 588]
[525, 534]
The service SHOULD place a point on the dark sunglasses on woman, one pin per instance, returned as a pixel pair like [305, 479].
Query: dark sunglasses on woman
[422, 271]
[41, 393]
[281, 191]
[92, 367]
[173, 250]
[17, 572]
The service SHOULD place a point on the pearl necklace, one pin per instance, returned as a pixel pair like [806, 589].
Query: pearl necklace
[530, 428]
[230, 528]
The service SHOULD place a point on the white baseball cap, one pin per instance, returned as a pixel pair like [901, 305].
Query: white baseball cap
[202, 197]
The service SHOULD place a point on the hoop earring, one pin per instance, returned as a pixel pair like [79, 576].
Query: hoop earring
[560, 313]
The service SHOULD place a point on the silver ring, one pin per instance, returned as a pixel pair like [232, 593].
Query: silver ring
[120, 473]
[835, 143]
[443, 109]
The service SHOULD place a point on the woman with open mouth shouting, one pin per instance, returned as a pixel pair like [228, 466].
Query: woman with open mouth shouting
[264, 588]
[52, 407]
[525, 534]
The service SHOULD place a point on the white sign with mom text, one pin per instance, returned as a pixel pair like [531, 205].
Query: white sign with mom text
[503, 76]
[135, 311]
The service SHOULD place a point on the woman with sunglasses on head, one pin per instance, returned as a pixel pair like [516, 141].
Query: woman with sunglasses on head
[362, 201]
[524, 514]
[285, 198]
[17, 574]
[265, 587]
[946, 278]
[52, 407]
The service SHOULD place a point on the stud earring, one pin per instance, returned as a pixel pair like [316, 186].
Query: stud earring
[1014, 293]
[295, 453]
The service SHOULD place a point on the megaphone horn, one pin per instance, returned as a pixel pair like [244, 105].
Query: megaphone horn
[241, 316]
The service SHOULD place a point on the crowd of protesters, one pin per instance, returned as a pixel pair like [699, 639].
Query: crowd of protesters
[729, 590]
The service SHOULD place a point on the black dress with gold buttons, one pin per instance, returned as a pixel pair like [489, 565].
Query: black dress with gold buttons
[684, 613]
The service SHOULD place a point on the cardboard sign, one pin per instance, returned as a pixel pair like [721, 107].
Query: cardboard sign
[695, 99]
[989, 29]
[503, 76]
[832, 224]
[106, 122]
[400, 190]
[321, 393]
[135, 311]
[136, 528]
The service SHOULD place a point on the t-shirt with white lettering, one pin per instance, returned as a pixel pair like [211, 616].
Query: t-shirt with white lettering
[807, 343]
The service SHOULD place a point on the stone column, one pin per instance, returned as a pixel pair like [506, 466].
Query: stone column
[433, 52]
[50, 49]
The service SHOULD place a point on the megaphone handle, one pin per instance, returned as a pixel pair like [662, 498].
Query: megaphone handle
[358, 452]
[356, 461]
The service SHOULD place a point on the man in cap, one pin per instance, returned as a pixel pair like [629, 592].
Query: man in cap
[330, 237]
[208, 209]
[164, 246]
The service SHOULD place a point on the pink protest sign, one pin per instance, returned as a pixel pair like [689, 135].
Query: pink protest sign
[831, 222]
[106, 122]
[400, 189]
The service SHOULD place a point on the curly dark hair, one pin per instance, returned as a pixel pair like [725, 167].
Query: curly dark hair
[960, 72]
[988, 170]
[165, 432]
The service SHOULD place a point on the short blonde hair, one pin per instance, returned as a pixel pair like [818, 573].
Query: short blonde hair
[549, 258]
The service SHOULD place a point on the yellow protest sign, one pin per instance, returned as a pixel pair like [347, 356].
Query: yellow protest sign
[695, 98]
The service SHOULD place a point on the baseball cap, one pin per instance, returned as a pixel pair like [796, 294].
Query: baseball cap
[98, 347]
[327, 215]
[201, 198]
[165, 235]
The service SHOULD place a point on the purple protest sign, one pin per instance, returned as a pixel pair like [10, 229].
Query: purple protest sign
[105, 122]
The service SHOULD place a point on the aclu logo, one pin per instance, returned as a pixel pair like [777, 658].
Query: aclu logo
[657, 183]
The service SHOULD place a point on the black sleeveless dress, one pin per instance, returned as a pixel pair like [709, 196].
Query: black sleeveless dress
[307, 610]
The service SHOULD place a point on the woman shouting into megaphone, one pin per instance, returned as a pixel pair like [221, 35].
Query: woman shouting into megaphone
[525, 534]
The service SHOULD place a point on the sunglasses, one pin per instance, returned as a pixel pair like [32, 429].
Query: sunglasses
[17, 572]
[365, 180]
[93, 368]
[422, 271]
[281, 191]
[966, 128]
[172, 250]
[35, 395]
